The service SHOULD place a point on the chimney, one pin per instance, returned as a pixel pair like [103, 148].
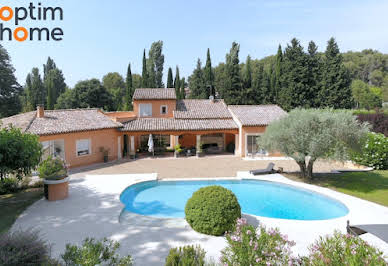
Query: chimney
[40, 111]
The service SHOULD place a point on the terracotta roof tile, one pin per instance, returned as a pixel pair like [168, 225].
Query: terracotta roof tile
[21, 121]
[257, 115]
[155, 94]
[62, 121]
[171, 124]
[201, 109]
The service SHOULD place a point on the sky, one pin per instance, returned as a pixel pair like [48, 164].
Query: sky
[102, 36]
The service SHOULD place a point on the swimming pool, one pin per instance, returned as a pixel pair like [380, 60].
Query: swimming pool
[167, 199]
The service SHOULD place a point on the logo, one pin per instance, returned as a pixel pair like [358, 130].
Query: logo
[20, 15]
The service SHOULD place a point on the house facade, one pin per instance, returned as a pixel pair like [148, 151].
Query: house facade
[80, 135]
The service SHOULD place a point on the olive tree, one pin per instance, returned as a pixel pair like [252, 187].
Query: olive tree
[309, 134]
[20, 152]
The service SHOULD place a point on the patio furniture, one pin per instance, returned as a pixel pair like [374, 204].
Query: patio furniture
[379, 230]
[211, 148]
[268, 170]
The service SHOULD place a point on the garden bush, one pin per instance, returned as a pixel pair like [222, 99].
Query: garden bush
[212, 210]
[93, 252]
[24, 248]
[52, 169]
[9, 185]
[374, 153]
[248, 245]
[341, 249]
[186, 256]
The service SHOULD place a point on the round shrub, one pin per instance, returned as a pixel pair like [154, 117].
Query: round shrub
[212, 210]
[52, 169]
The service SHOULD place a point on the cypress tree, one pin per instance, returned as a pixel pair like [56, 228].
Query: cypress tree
[182, 89]
[208, 75]
[144, 73]
[50, 87]
[50, 65]
[155, 66]
[129, 90]
[36, 93]
[247, 73]
[177, 82]
[170, 81]
[294, 92]
[336, 91]
[277, 73]
[197, 83]
[314, 79]
[233, 90]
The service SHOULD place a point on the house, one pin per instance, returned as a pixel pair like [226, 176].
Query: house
[79, 135]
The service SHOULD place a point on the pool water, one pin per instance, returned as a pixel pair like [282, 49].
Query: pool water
[167, 199]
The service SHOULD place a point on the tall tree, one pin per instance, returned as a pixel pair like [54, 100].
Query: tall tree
[156, 62]
[182, 93]
[314, 77]
[170, 81]
[278, 73]
[233, 90]
[116, 86]
[197, 83]
[247, 73]
[55, 85]
[128, 90]
[336, 91]
[295, 91]
[50, 65]
[208, 74]
[177, 81]
[10, 90]
[35, 90]
[144, 73]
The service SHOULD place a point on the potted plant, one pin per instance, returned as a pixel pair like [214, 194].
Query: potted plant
[178, 150]
[105, 153]
[53, 171]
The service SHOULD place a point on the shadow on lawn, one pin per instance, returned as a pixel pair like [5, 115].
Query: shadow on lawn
[364, 182]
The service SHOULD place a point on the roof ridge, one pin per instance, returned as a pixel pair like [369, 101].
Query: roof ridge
[74, 109]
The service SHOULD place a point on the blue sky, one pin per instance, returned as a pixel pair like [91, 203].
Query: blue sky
[104, 36]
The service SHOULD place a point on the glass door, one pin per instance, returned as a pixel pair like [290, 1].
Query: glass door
[253, 147]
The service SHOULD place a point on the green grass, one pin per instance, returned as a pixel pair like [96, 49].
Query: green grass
[12, 205]
[372, 186]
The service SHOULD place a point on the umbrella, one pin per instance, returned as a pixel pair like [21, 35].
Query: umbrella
[150, 144]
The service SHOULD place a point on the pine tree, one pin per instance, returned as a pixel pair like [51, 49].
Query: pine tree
[197, 83]
[336, 91]
[177, 82]
[233, 90]
[128, 90]
[208, 75]
[295, 92]
[144, 73]
[170, 81]
[10, 90]
[247, 73]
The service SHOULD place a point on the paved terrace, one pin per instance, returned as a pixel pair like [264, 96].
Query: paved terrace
[192, 167]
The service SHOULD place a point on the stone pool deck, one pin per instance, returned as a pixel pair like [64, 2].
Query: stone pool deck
[93, 209]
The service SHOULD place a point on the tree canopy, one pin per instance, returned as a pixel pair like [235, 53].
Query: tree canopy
[310, 134]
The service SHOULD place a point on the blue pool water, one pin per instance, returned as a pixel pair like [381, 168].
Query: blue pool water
[262, 198]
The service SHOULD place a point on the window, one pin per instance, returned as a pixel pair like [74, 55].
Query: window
[253, 147]
[163, 109]
[83, 147]
[54, 148]
[145, 109]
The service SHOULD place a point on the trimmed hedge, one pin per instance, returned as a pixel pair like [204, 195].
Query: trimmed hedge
[379, 122]
[212, 210]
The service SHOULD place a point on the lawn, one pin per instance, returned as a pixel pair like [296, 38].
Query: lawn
[12, 205]
[372, 186]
